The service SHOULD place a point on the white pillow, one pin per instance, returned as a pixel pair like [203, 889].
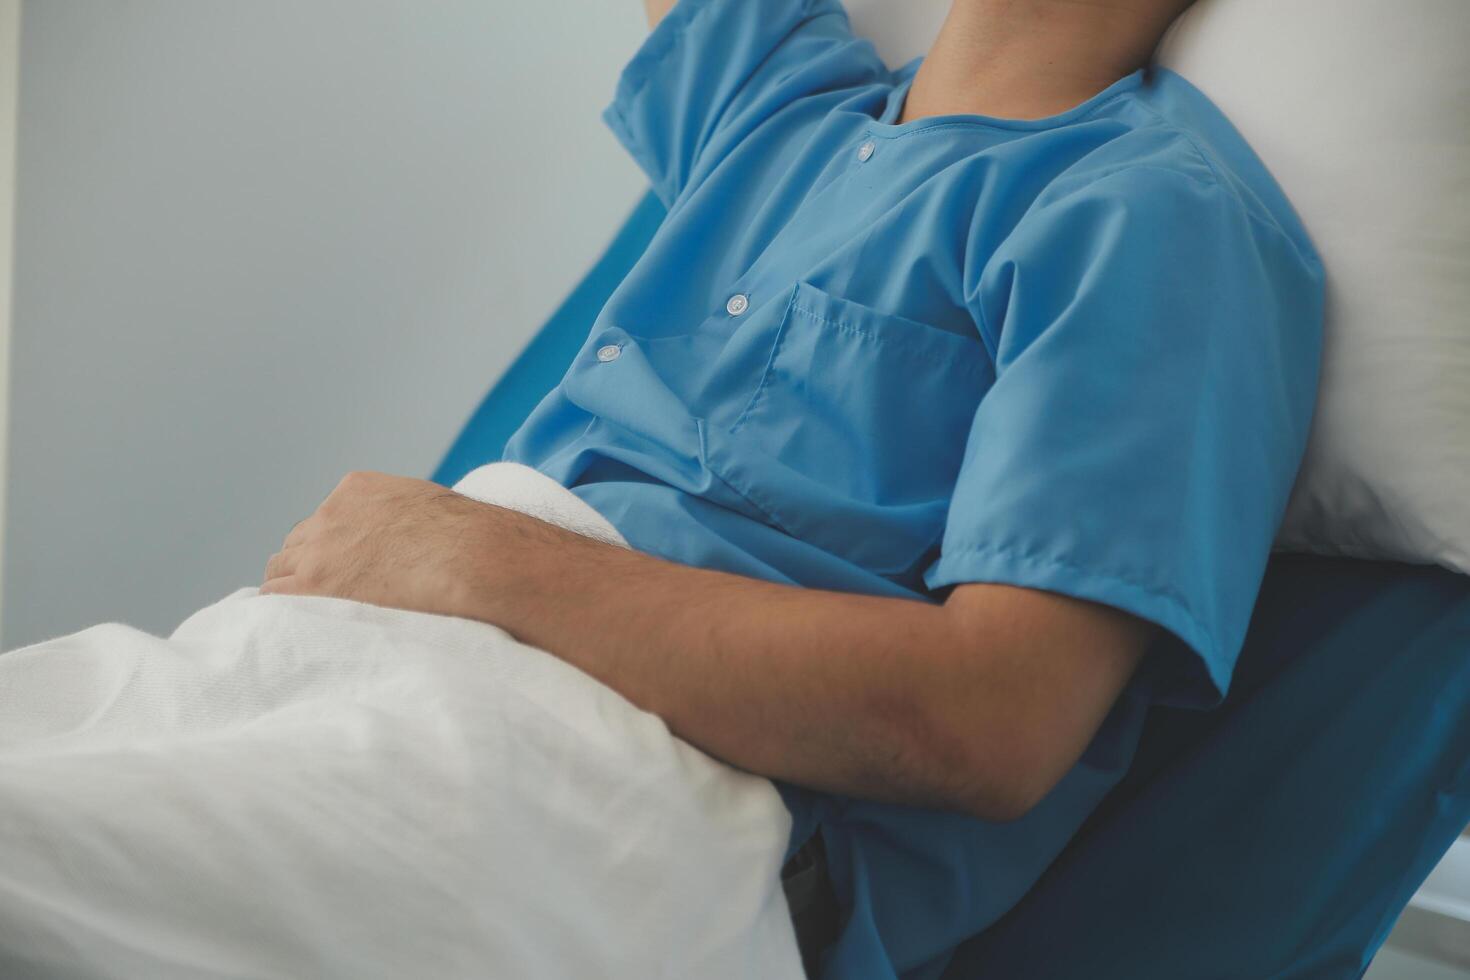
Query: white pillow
[1361, 111]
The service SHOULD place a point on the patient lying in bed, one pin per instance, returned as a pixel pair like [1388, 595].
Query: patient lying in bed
[949, 416]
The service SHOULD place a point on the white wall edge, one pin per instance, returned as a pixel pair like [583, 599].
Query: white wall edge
[1436, 924]
[9, 124]
[1447, 890]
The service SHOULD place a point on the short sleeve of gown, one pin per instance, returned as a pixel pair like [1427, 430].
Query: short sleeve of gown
[1157, 351]
[713, 70]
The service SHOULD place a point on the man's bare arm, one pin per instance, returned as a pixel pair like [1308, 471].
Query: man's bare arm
[656, 10]
[980, 705]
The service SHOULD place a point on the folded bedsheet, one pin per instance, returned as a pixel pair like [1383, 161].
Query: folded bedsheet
[312, 787]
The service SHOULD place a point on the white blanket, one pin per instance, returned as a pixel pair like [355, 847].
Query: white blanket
[314, 788]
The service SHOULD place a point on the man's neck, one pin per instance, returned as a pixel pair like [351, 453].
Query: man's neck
[1028, 59]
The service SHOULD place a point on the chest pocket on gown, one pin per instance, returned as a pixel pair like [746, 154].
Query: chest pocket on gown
[853, 435]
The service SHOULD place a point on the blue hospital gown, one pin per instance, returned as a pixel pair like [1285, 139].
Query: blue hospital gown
[1077, 353]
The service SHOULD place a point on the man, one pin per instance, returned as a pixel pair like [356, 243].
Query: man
[951, 413]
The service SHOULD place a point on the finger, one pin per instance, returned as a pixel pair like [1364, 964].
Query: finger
[281, 563]
[287, 585]
[283, 585]
[297, 534]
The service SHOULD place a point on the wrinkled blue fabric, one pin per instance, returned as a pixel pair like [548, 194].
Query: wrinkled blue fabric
[1077, 353]
[1282, 835]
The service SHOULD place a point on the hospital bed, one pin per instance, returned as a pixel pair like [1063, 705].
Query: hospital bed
[1281, 835]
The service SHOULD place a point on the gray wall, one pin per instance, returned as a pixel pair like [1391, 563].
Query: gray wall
[261, 244]
[9, 84]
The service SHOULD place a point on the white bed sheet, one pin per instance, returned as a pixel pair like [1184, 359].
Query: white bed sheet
[312, 787]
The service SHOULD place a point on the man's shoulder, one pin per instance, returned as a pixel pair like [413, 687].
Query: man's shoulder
[1175, 127]
[1161, 181]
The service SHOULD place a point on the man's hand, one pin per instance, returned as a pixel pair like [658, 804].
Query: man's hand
[657, 10]
[386, 540]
